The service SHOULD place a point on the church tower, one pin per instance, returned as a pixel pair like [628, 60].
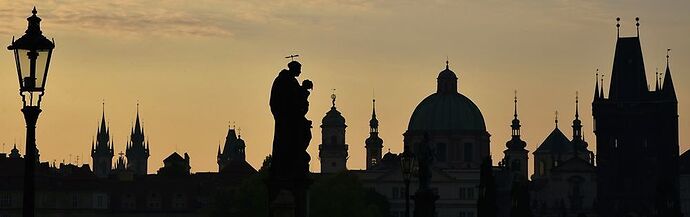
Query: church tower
[234, 149]
[579, 144]
[637, 139]
[137, 149]
[333, 150]
[102, 151]
[515, 159]
[374, 143]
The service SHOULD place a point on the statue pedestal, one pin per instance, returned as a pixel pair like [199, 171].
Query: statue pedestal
[425, 203]
[283, 205]
[289, 198]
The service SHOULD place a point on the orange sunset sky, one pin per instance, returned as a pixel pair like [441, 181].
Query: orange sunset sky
[196, 66]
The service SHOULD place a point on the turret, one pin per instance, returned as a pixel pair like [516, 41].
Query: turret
[515, 159]
[374, 143]
[333, 149]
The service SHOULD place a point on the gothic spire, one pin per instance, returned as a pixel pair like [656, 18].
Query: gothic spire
[596, 86]
[656, 80]
[601, 91]
[667, 88]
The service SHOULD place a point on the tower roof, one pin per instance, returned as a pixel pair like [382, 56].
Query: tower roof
[373, 123]
[668, 89]
[628, 79]
[555, 143]
[447, 81]
[515, 143]
[333, 117]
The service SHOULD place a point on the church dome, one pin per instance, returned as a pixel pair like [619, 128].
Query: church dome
[333, 118]
[447, 109]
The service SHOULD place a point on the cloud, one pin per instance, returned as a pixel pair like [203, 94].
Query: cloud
[204, 18]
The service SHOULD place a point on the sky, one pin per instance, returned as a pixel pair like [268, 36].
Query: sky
[198, 67]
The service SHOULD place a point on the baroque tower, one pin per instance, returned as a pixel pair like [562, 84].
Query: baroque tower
[374, 143]
[637, 139]
[515, 159]
[137, 149]
[102, 151]
[333, 149]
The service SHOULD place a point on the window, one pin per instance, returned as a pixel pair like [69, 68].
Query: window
[441, 152]
[5, 200]
[154, 201]
[615, 143]
[466, 213]
[541, 168]
[180, 201]
[75, 200]
[395, 193]
[466, 193]
[334, 140]
[468, 152]
[128, 201]
[516, 165]
[100, 201]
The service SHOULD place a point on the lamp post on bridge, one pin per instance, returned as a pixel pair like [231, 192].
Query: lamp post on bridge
[32, 53]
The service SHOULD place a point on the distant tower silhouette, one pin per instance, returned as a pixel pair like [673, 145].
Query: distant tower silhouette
[137, 149]
[14, 153]
[333, 149]
[579, 144]
[234, 149]
[102, 151]
[374, 143]
[121, 164]
[637, 139]
[516, 155]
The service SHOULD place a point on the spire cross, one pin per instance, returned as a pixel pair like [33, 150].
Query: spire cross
[637, 24]
[515, 105]
[556, 120]
[668, 51]
[373, 107]
[618, 27]
[447, 62]
[333, 98]
[292, 57]
[577, 105]
[239, 132]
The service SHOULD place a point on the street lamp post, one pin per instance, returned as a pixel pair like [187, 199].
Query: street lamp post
[32, 53]
[407, 163]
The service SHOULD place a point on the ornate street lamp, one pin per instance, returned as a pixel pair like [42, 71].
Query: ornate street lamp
[32, 54]
[407, 165]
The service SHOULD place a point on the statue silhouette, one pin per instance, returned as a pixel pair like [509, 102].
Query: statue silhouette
[288, 181]
[292, 133]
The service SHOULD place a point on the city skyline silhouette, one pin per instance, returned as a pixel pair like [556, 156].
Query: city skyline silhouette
[190, 87]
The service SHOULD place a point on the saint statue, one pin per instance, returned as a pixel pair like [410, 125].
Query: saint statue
[292, 134]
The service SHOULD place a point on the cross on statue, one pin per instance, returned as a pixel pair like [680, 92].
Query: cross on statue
[292, 57]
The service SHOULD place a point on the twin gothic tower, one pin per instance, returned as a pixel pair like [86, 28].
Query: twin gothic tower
[137, 151]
